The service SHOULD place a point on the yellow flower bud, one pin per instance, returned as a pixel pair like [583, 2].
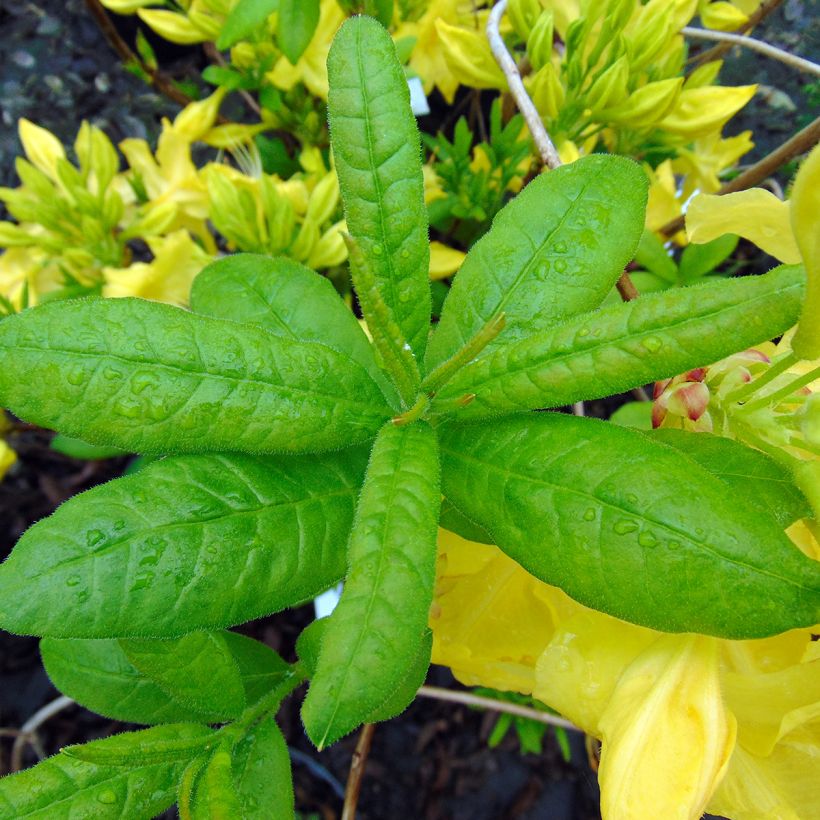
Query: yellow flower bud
[197, 118]
[126, 6]
[704, 74]
[546, 91]
[172, 26]
[231, 134]
[7, 458]
[305, 241]
[611, 87]
[721, 16]
[647, 105]
[523, 14]
[155, 220]
[539, 42]
[330, 250]
[42, 148]
[468, 55]
[323, 199]
[699, 111]
[650, 39]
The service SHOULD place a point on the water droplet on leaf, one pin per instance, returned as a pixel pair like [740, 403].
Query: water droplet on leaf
[625, 526]
[652, 343]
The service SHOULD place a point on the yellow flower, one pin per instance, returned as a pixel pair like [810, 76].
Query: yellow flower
[688, 723]
[7, 458]
[27, 270]
[702, 164]
[42, 148]
[468, 55]
[177, 260]
[700, 111]
[311, 68]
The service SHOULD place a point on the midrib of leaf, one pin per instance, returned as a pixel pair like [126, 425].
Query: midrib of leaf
[173, 525]
[625, 335]
[251, 285]
[375, 586]
[661, 524]
[388, 256]
[207, 373]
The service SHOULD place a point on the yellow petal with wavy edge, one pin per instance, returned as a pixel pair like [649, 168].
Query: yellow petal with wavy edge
[468, 54]
[805, 220]
[7, 458]
[172, 26]
[782, 786]
[177, 260]
[757, 215]
[490, 618]
[666, 735]
[42, 148]
[444, 261]
[702, 110]
[722, 16]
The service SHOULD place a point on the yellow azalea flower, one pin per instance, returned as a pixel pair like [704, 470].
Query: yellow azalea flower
[702, 164]
[721, 15]
[663, 204]
[177, 260]
[700, 111]
[444, 261]
[688, 723]
[7, 458]
[42, 148]
[27, 269]
[469, 57]
[311, 68]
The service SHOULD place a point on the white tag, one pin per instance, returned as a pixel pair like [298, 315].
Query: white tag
[418, 99]
[325, 603]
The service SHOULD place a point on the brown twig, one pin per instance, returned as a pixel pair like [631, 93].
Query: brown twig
[157, 79]
[716, 52]
[546, 148]
[469, 699]
[28, 731]
[801, 142]
[357, 764]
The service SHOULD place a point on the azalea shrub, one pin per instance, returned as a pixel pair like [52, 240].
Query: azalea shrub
[654, 579]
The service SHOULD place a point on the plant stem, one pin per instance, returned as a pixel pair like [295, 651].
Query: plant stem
[546, 149]
[28, 731]
[800, 63]
[469, 699]
[801, 142]
[755, 385]
[545, 146]
[357, 764]
[784, 392]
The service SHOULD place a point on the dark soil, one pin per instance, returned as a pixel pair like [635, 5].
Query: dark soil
[433, 761]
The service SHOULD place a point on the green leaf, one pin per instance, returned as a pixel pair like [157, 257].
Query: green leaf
[76, 448]
[188, 543]
[160, 744]
[99, 676]
[455, 521]
[195, 670]
[215, 796]
[749, 473]
[555, 251]
[629, 527]
[698, 260]
[261, 773]
[374, 634]
[243, 20]
[378, 160]
[405, 694]
[148, 377]
[612, 350]
[652, 255]
[260, 667]
[636, 414]
[382, 10]
[64, 788]
[288, 300]
[297, 23]
[309, 643]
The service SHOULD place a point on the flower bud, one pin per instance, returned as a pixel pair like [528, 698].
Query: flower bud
[539, 42]
[523, 14]
[644, 107]
[42, 148]
[611, 87]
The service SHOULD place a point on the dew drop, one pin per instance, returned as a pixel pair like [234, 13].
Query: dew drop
[112, 374]
[625, 526]
[72, 580]
[141, 381]
[94, 537]
[405, 254]
[560, 265]
[76, 376]
[119, 525]
[652, 343]
[631, 498]
[584, 331]
[378, 250]
[673, 545]
[107, 797]
[562, 665]
[128, 408]
[82, 596]
[647, 539]
[211, 550]
[142, 580]
[589, 515]
[560, 247]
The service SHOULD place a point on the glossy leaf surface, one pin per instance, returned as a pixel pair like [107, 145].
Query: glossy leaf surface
[261, 773]
[607, 352]
[556, 250]
[148, 377]
[377, 151]
[188, 543]
[286, 299]
[196, 670]
[629, 527]
[64, 788]
[752, 475]
[373, 636]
